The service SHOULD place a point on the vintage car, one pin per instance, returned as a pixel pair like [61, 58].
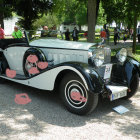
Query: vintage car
[81, 72]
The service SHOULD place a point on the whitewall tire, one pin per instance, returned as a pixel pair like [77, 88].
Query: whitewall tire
[72, 83]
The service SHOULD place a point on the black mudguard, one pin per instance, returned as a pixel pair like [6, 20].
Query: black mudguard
[131, 67]
[94, 81]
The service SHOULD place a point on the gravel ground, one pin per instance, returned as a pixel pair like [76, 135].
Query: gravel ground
[46, 118]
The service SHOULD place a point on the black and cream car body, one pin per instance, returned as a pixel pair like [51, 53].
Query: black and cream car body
[81, 72]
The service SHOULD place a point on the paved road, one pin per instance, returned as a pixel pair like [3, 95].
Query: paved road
[121, 43]
[45, 118]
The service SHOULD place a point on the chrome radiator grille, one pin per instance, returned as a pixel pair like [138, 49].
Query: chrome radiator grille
[107, 54]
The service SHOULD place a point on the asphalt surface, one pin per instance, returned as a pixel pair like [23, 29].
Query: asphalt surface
[46, 118]
[121, 44]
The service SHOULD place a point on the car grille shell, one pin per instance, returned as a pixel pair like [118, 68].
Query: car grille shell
[107, 55]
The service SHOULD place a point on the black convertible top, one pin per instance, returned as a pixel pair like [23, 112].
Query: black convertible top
[4, 43]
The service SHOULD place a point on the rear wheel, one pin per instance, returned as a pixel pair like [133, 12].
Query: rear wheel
[84, 104]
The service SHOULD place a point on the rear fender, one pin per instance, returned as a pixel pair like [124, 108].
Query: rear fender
[36, 51]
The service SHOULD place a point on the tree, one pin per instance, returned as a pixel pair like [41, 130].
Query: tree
[80, 12]
[136, 11]
[48, 20]
[74, 11]
[133, 6]
[5, 10]
[125, 11]
[101, 17]
[31, 10]
[114, 10]
[81, 15]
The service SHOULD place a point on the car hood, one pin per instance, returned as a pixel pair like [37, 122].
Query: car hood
[57, 43]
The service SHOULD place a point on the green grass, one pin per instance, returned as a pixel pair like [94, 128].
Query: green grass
[138, 49]
[137, 55]
[97, 38]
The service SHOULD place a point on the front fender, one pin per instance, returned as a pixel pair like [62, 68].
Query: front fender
[91, 78]
[48, 78]
[135, 63]
[131, 67]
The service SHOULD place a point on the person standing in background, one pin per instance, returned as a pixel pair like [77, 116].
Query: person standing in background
[61, 35]
[131, 33]
[85, 34]
[118, 36]
[67, 35]
[103, 35]
[107, 34]
[44, 32]
[75, 34]
[17, 33]
[115, 36]
[138, 33]
[53, 32]
[1, 33]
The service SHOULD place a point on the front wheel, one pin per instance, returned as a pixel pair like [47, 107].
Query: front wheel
[75, 96]
[133, 86]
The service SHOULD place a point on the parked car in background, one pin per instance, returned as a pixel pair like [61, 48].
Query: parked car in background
[81, 72]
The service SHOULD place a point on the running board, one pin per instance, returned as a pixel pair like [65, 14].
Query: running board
[117, 92]
[17, 77]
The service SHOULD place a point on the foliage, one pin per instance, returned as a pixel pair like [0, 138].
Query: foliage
[137, 55]
[81, 15]
[5, 10]
[123, 11]
[135, 9]
[74, 11]
[46, 20]
[101, 19]
[114, 10]
[30, 11]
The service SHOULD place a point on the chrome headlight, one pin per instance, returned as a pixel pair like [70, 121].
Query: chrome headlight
[90, 53]
[98, 57]
[122, 55]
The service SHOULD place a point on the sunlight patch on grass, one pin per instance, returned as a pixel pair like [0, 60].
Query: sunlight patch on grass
[137, 57]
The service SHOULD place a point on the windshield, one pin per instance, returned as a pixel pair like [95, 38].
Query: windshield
[33, 35]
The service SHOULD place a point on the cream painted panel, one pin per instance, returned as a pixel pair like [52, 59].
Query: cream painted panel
[14, 56]
[60, 56]
[46, 80]
[57, 43]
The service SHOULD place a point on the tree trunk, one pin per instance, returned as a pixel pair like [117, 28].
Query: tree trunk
[97, 8]
[1, 16]
[91, 20]
[134, 34]
[80, 28]
[1, 20]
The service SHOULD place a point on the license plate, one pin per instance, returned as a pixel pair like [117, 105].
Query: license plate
[118, 95]
[108, 70]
